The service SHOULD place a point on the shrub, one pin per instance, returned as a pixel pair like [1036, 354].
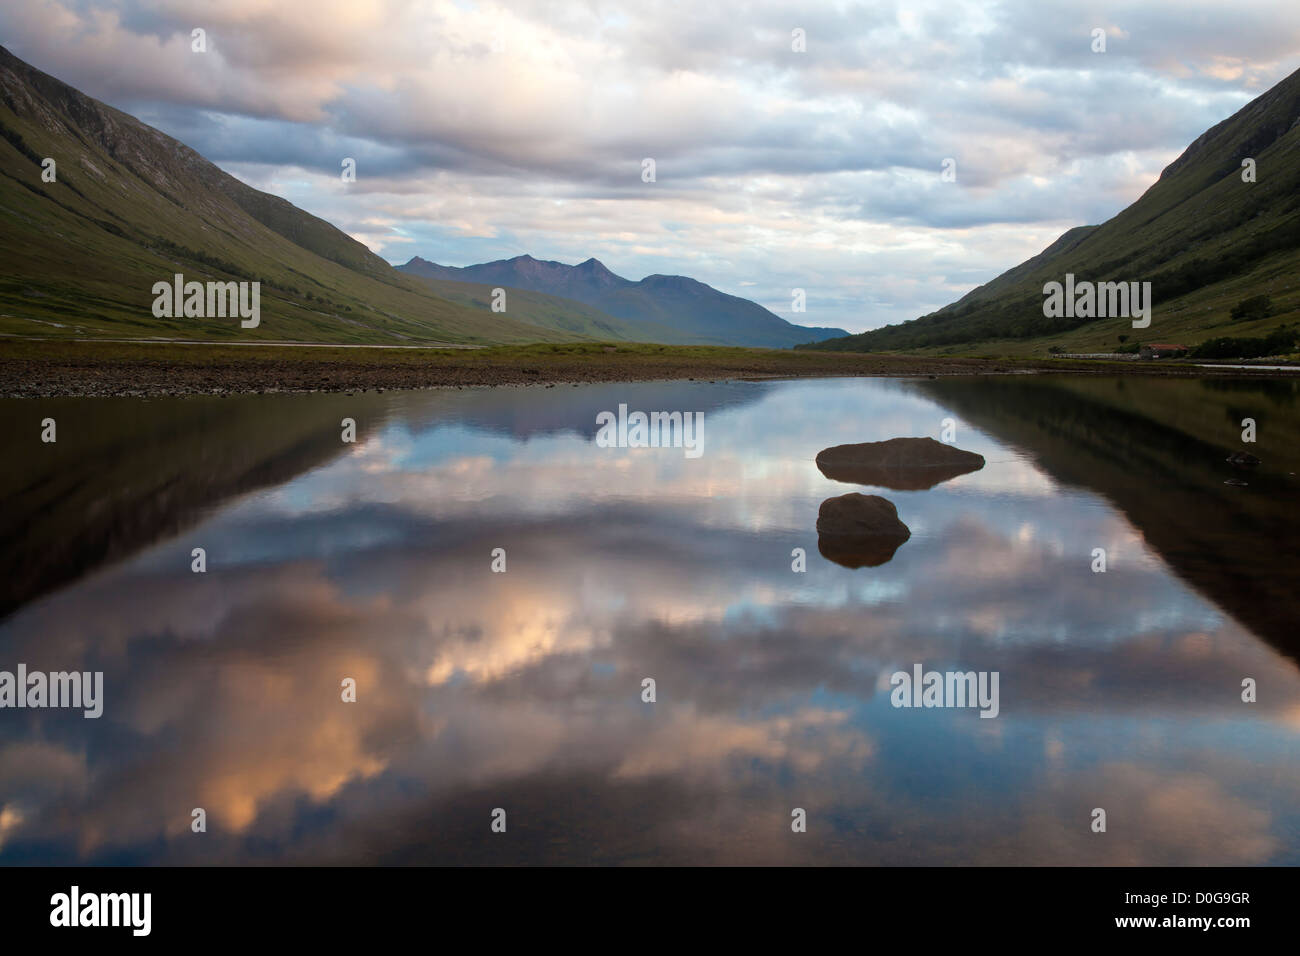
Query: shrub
[1254, 307]
[1277, 342]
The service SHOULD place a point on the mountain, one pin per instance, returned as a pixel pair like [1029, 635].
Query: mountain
[585, 282]
[130, 207]
[552, 312]
[673, 309]
[1204, 238]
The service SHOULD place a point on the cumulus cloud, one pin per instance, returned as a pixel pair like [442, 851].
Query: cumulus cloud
[489, 130]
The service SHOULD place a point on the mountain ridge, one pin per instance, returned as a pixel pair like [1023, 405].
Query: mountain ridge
[695, 312]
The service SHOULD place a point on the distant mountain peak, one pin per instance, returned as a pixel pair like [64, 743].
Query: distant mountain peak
[688, 308]
[675, 282]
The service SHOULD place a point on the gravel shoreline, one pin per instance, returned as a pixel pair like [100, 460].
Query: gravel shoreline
[96, 370]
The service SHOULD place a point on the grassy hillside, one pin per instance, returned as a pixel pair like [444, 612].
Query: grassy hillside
[131, 207]
[1204, 239]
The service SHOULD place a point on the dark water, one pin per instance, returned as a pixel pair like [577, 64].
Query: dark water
[522, 690]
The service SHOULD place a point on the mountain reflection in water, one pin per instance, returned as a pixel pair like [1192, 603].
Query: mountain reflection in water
[522, 690]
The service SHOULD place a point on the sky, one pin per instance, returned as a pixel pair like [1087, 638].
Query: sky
[485, 131]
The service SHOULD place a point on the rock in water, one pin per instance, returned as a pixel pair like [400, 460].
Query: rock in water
[859, 531]
[903, 464]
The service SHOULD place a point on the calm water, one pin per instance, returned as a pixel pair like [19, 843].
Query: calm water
[522, 690]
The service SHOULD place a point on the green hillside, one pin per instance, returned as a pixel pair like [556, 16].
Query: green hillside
[1202, 237]
[132, 206]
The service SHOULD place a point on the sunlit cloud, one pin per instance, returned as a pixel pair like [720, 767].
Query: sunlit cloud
[490, 130]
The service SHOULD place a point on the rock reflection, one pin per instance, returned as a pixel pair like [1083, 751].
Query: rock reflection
[859, 531]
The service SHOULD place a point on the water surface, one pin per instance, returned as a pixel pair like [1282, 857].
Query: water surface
[522, 690]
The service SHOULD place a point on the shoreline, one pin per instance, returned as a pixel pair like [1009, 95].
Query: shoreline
[44, 368]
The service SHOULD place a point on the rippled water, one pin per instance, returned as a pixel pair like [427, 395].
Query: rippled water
[523, 690]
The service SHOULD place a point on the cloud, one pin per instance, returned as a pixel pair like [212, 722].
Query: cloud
[478, 128]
